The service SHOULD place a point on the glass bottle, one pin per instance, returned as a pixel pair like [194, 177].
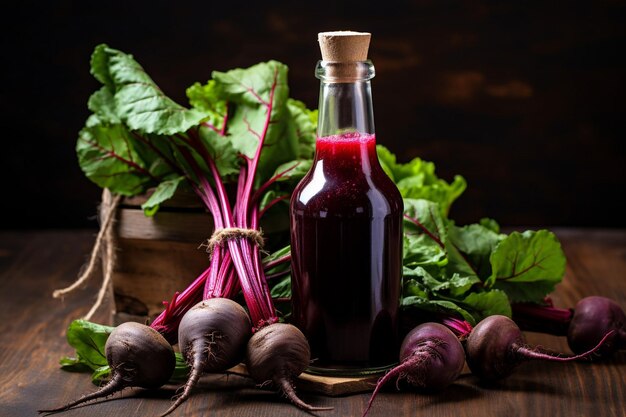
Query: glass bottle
[346, 233]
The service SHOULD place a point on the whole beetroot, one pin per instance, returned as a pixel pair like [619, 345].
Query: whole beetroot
[496, 346]
[594, 317]
[212, 337]
[431, 357]
[138, 355]
[278, 353]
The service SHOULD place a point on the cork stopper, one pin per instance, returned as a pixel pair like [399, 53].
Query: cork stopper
[344, 46]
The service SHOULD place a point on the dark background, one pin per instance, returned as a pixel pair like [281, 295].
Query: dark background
[525, 100]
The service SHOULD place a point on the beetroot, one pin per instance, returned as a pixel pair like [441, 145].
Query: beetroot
[585, 325]
[594, 317]
[212, 337]
[138, 356]
[431, 357]
[278, 353]
[496, 347]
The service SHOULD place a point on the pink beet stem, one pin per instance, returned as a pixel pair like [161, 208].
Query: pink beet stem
[542, 318]
[460, 328]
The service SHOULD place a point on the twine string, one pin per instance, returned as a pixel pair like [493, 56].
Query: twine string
[223, 235]
[103, 239]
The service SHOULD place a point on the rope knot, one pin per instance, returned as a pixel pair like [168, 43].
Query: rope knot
[223, 235]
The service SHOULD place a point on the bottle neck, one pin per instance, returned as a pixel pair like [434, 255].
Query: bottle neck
[345, 104]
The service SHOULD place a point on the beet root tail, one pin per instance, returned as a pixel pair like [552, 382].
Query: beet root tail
[194, 376]
[111, 387]
[287, 389]
[528, 353]
[396, 371]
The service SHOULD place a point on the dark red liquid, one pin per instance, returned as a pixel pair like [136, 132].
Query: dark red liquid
[346, 237]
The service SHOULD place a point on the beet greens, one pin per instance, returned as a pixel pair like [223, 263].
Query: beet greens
[242, 130]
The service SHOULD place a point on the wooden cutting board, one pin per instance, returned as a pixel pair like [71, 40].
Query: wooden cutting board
[335, 386]
[331, 386]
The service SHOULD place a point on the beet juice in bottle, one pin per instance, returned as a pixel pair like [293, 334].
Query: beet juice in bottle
[346, 225]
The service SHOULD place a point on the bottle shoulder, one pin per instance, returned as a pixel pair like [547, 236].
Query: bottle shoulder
[370, 193]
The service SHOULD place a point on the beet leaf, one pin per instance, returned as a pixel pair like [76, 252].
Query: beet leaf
[138, 101]
[527, 265]
[108, 157]
[417, 180]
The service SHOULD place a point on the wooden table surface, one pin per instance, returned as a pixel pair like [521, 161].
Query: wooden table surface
[32, 339]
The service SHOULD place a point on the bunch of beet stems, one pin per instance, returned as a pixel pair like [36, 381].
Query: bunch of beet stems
[235, 261]
[276, 352]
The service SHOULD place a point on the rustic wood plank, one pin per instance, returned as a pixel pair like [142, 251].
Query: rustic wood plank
[148, 272]
[157, 256]
[183, 199]
[32, 328]
[193, 227]
[169, 226]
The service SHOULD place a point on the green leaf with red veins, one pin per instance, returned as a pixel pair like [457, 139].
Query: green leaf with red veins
[275, 218]
[139, 102]
[267, 198]
[158, 153]
[527, 292]
[89, 339]
[245, 128]
[254, 85]
[107, 156]
[292, 171]
[477, 243]
[258, 96]
[221, 150]
[526, 261]
[425, 232]
[306, 127]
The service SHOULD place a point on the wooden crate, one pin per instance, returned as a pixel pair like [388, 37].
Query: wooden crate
[156, 256]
